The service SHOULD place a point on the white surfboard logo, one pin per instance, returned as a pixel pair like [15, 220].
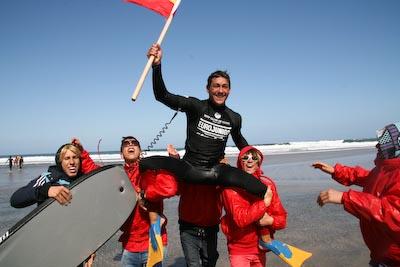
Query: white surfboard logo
[4, 237]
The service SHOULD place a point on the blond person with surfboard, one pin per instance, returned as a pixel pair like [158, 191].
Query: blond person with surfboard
[54, 183]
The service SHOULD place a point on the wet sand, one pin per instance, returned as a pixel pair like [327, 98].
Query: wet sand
[330, 233]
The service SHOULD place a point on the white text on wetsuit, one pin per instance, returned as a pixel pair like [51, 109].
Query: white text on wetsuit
[212, 130]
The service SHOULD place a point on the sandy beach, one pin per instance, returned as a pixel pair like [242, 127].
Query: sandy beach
[331, 234]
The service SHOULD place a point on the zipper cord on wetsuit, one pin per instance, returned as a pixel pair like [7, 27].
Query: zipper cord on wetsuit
[160, 133]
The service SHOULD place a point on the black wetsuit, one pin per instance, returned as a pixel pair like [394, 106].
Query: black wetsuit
[208, 129]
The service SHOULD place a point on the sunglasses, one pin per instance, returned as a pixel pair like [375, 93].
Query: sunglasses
[250, 156]
[130, 142]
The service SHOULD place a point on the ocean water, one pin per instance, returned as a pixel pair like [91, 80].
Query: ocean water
[291, 147]
[331, 234]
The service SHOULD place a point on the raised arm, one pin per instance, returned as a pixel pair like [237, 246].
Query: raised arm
[87, 163]
[160, 90]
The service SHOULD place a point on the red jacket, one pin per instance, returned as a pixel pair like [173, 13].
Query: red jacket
[200, 204]
[87, 164]
[157, 185]
[242, 213]
[377, 207]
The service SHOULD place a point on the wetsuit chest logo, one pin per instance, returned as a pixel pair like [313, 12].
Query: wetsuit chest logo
[212, 128]
[217, 115]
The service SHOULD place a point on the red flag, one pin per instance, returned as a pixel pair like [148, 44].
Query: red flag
[163, 7]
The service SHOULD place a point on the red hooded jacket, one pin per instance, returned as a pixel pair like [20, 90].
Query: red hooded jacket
[377, 207]
[157, 185]
[243, 211]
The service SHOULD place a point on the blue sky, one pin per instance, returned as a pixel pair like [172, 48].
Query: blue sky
[301, 70]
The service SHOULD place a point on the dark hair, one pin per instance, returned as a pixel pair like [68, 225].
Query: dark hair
[127, 138]
[216, 74]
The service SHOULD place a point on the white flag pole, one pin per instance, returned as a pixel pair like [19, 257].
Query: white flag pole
[151, 58]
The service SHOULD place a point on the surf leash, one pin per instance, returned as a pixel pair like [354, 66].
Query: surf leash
[160, 133]
[98, 151]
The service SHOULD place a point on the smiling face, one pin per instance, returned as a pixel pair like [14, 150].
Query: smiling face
[70, 163]
[218, 91]
[250, 162]
[130, 150]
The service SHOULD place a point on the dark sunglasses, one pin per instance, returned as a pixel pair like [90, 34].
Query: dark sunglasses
[250, 156]
[130, 142]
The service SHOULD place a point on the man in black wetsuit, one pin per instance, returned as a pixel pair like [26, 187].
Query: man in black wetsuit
[209, 123]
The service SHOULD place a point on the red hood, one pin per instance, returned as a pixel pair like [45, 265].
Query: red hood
[246, 149]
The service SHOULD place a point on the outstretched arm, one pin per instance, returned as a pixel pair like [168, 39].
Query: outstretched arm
[382, 210]
[330, 196]
[344, 174]
[324, 167]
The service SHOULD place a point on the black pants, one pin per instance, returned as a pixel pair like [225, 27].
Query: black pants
[220, 174]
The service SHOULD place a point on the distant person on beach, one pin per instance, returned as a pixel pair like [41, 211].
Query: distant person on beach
[10, 162]
[249, 221]
[151, 188]
[209, 124]
[21, 162]
[200, 210]
[378, 206]
[70, 165]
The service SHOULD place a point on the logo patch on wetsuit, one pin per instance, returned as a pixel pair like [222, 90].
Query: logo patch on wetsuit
[213, 130]
[217, 115]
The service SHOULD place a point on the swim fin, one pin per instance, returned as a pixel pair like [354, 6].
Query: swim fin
[156, 249]
[289, 254]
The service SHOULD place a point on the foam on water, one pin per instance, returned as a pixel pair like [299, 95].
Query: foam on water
[291, 147]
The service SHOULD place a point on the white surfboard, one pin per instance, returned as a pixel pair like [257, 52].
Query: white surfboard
[55, 235]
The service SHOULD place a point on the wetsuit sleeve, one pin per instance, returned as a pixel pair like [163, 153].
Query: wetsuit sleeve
[350, 175]
[237, 136]
[170, 100]
[35, 191]
[241, 211]
[87, 163]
